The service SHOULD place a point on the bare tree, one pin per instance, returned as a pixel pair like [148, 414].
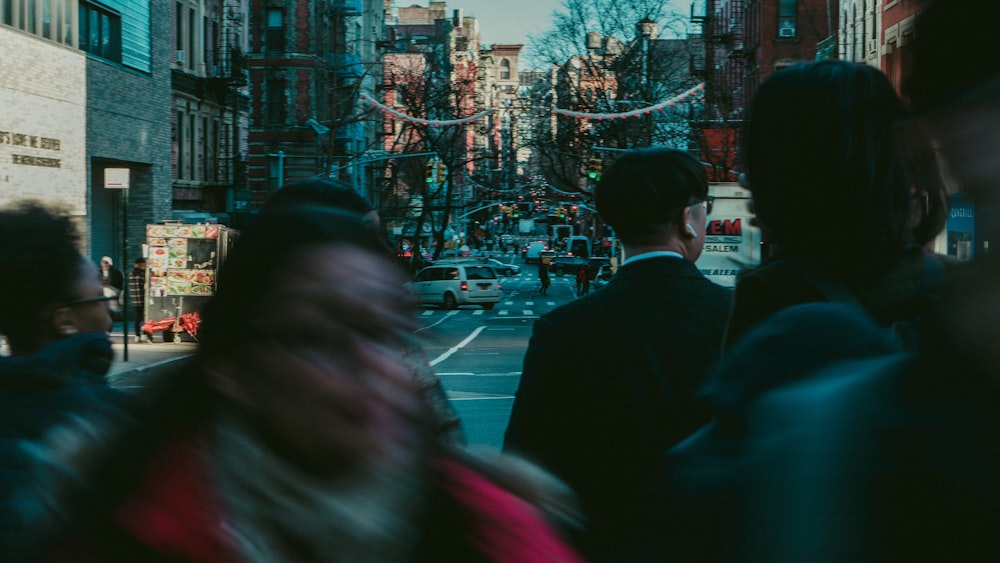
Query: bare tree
[610, 58]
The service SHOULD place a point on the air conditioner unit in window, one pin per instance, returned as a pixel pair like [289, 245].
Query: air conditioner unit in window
[872, 45]
[786, 32]
[180, 57]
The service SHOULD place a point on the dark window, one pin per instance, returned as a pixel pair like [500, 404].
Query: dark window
[480, 273]
[100, 32]
[189, 61]
[179, 27]
[7, 9]
[275, 35]
[180, 146]
[450, 274]
[786, 18]
[275, 102]
[505, 70]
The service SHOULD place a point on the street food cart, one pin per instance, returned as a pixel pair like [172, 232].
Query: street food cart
[182, 261]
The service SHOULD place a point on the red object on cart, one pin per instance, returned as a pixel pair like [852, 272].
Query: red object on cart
[187, 322]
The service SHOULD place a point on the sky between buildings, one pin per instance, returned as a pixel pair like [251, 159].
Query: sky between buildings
[511, 21]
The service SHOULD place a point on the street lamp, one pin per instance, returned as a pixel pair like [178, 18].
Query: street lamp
[118, 179]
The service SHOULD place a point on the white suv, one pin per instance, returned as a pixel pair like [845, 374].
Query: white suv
[451, 285]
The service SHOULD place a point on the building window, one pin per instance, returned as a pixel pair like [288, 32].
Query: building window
[786, 18]
[181, 147]
[505, 70]
[275, 34]
[191, 38]
[100, 32]
[275, 96]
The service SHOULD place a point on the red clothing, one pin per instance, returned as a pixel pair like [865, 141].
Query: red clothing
[177, 515]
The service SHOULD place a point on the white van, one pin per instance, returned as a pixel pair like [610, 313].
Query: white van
[534, 252]
[453, 284]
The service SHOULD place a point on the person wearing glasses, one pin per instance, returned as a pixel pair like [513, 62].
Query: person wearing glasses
[55, 318]
[307, 441]
[601, 416]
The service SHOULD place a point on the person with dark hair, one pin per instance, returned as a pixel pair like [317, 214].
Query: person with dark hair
[137, 295]
[602, 419]
[895, 457]
[830, 195]
[330, 193]
[297, 432]
[55, 318]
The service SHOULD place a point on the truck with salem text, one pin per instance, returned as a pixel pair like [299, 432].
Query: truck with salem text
[732, 244]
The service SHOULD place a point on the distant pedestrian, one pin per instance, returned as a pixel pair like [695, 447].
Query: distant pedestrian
[111, 276]
[543, 276]
[55, 318]
[137, 295]
[582, 280]
[602, 419]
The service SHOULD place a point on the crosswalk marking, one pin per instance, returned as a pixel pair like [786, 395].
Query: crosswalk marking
[527, 312]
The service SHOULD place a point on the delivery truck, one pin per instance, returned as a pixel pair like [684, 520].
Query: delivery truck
[732, 244]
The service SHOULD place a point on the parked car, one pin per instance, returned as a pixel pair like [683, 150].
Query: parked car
[503, 269]
[452, 284]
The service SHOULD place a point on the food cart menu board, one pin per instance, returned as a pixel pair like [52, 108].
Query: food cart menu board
[182, 259]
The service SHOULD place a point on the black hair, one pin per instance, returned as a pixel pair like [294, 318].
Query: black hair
[262, 253]
[938, 76]
[819, 157]
[39, 251]
[647, 189]
[319, 191]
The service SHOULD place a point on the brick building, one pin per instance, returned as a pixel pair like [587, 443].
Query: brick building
[85, 86]
[308, 62]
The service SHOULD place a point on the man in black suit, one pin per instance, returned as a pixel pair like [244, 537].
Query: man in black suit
[609, 380]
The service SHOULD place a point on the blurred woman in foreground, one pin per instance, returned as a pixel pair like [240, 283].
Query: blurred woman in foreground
[297, 434]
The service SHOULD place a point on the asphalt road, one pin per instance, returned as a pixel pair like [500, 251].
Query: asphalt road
[478, 354]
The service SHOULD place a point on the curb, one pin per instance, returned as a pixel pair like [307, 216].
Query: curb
[116, 379]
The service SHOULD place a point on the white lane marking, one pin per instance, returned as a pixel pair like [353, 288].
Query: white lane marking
[443, 319]
[480, 398]
[528, 313]
[508, 302]
[504, 312]
[550, 303]
[457, 347]
[478, 312]
[529, 303]
[501, 329]
[428, 313]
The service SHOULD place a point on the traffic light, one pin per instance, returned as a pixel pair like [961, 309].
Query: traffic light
[594, 166]
[429, 172]
[442, 172]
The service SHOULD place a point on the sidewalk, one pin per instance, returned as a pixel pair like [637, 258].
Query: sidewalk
[142, 358]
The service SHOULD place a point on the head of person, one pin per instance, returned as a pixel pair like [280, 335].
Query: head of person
[304, 336]
[956, 101]
[820, 161]
[106, 262]
[323, 192]
[654, 199]
[49, 290]
[140, 263]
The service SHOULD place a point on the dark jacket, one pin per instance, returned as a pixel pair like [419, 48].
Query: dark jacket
[901, 294]
[39, 392]
[608, 385]
[114, 279]
[893, 458]
[704, 496]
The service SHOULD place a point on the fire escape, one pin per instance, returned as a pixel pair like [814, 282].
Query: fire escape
[342, 80]
[229, 80]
